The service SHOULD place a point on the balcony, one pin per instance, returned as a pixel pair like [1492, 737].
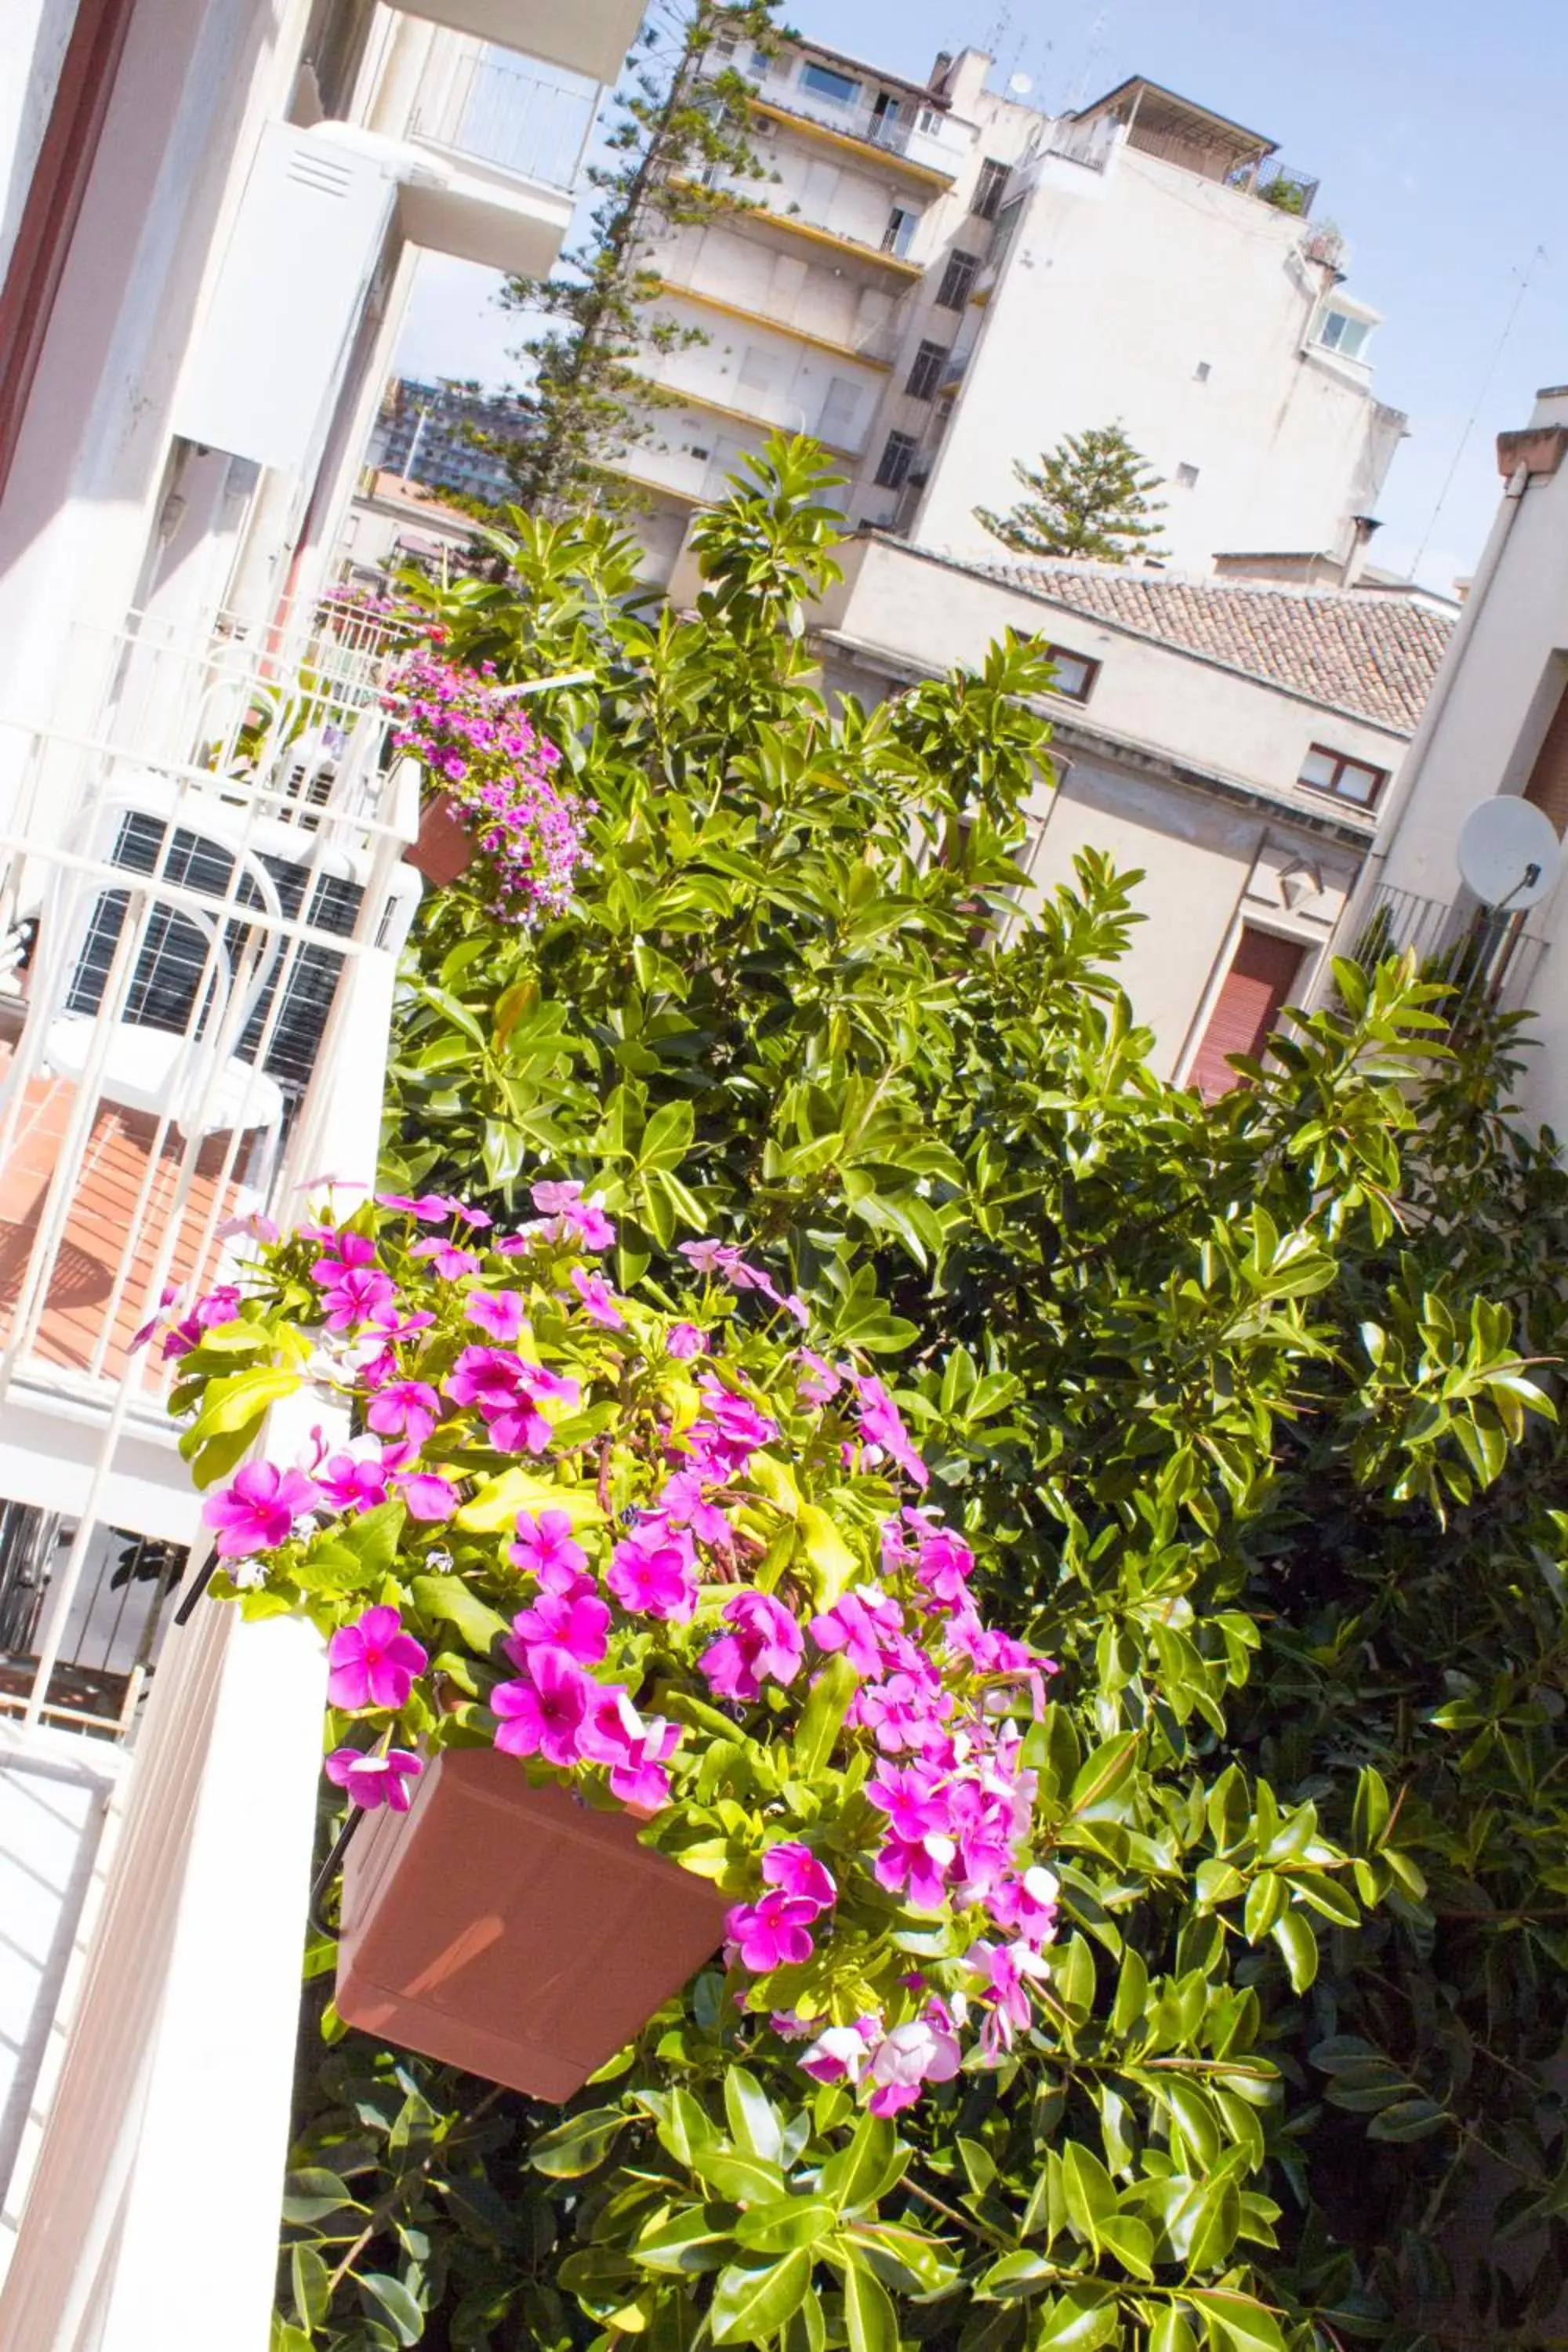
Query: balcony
[202, 901]
[505, 145]
[591, 38]
[884, 261]
[871, 347]
[1491, 960]
[926, 142]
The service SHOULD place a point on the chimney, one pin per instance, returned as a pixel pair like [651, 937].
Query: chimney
[1361, 529]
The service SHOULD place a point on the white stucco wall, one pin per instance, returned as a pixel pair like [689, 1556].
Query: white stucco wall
[34, 34]
[1485, 725]
[1120, 285]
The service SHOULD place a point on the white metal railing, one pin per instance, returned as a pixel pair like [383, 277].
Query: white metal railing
[521, 120]
[189, 1025]
[923, 134]
[1487, 955]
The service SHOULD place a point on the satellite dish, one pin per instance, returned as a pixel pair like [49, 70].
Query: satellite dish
[1509, 854]
[1021, 85]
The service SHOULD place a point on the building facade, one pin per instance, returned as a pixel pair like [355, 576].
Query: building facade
[212, 209]
[1497, 724]
[443, 435]
[936, 280]
[1235, 743]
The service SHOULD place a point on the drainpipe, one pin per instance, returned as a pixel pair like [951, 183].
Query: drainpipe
[1348, 927]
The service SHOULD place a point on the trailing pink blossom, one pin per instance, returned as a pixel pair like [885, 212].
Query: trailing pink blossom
[373, 1781]
[373, 1661]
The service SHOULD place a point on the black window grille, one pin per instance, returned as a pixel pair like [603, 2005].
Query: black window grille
[897, 457]
[988, 189]
[958, 280]
[926, 374]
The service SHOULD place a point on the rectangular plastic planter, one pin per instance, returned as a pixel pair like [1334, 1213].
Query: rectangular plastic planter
[443, 848]
[512, 1930]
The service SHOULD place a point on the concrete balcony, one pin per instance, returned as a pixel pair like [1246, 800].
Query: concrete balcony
[820, 241]
[591, 38]
[502, 145]
[924, 144]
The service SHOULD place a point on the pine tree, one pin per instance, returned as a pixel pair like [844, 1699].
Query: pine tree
[589, 402]
[1089, 498]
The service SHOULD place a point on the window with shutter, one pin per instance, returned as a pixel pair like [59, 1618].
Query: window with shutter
[1263, 973]
[1548, 785]
[839, 422]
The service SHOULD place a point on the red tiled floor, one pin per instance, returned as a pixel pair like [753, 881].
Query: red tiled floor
[87, 1284]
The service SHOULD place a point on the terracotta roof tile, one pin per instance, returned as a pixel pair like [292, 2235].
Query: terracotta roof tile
[1367, 651]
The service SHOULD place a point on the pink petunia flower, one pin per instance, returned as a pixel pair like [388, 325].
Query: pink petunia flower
[684, 1340]
[449, 1261]
[923, 2051]
[372, 1780]
[881, 1425]
[373, 1661]
[256, 1510]
[819, 1381]
[352, 1482]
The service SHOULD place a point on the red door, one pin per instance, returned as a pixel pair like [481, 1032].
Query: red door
[1261, 976]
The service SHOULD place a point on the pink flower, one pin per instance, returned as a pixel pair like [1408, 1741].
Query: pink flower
[840, 2055]
[652, 1574]
[407, 1409]
[360, 1294]
[683, 1341]
[709, 1257]
[351, 1250]
[598, 1299]
[794, 1870]
[578, 1623]
[1006, 1969]
[882, 1424]
[499, 1312]
[635, 1752]
[429, 1496]
[429, 1208]
[908, 2057]
[588, 1223]
[372, 1780]
[774, 1932]
[862, 1625]
[730, 1431]
[450, 1262]
[352, 1483]
[767, 1645]
[373, 1661]
[545, 1549]
[542, 1716]
[819, 1382]
[258, 1508]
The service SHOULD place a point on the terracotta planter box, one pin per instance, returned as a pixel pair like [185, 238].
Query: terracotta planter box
[443, 847]
[512, 1930]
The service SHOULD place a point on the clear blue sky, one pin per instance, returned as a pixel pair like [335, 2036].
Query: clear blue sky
[1436, 127]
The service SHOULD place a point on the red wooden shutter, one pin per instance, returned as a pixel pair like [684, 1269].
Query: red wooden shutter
[1261, 976]
[1548, 785]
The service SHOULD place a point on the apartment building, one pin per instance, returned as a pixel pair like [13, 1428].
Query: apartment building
[444, 435]
[1233, 742]
[211, 211]
[936, 280]
[1497, 724]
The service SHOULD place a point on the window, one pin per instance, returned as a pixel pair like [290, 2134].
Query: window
[926, 375]
[1073, 674]
[900, 233]
[958, 280]
[1338, 332]
[1006, 230]
[896, 458]
[1186, 477]
[988, 189]
[760, 65]
[1324, 771]
[824, 82]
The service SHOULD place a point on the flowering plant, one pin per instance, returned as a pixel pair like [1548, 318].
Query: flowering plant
[672, 1556]
[482, 753]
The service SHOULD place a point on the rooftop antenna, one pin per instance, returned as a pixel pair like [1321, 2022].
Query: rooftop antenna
[1539, 255]
[1092, 55]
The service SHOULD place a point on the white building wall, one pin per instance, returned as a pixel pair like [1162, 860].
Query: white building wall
[1506, 670]
[1121, 286]
[34, 35]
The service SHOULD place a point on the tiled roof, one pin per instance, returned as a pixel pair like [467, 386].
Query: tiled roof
[1368, 651]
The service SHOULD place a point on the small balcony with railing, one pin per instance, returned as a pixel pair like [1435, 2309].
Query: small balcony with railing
[1492, 960]
[591, 38]
[506, 138]
[203, 898]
